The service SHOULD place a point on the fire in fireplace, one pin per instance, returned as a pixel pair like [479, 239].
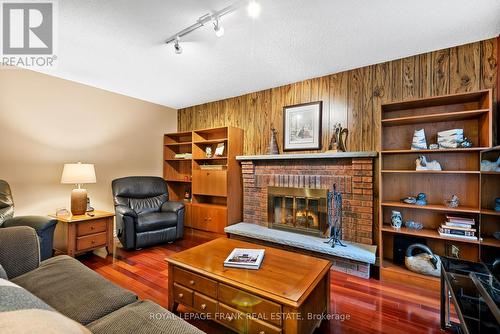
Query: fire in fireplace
[301, 210]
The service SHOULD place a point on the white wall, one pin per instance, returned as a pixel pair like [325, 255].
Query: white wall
[46, 122]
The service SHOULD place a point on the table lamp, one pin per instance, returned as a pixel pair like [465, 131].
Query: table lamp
[78, 174]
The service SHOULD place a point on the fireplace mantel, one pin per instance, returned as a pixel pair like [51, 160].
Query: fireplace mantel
[298, 156]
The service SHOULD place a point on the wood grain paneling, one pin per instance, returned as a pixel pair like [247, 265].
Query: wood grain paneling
[352, 97]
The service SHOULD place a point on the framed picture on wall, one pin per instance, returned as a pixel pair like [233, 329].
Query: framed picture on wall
[302, 126]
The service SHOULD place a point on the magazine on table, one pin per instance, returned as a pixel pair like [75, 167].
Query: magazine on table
[245, 258]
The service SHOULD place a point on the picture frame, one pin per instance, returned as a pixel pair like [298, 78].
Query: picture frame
[302, 126]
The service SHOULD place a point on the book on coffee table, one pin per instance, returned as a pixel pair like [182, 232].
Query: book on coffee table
[245, 258]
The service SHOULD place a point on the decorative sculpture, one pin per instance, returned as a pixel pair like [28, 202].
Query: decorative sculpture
[413, 225]
[419, 142]
[466, 143]
[424, 263]
[453, 202]
[334, 218]
[273, 143]
[423, 164]
[497, 204]
[339, 139]
[421, 199]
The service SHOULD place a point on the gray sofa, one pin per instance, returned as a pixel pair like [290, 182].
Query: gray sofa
[75, 291]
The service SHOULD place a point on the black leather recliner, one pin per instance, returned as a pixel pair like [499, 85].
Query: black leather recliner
[144, 215]
[44, 226]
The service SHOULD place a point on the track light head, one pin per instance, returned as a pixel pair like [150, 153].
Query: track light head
[218, 28]
[253, 9]
[177, 46]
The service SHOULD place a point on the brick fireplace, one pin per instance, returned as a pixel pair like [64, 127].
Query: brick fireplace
[352, 173]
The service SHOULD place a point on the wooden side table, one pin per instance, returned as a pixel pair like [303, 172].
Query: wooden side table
[84, 233]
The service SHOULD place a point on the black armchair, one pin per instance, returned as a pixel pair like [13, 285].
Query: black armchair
[144, 215]
[44, 226]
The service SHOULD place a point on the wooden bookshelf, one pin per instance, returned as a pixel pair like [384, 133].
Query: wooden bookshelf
[216, 194]
[460, 175]
[490, 219]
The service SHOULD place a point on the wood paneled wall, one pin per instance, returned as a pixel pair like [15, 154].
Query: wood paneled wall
[352, 98]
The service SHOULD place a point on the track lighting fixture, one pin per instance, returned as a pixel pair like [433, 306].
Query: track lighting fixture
[253, 9]
[218, 28]
[177, 46]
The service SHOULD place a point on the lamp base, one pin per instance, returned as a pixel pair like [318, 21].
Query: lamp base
[78, 201]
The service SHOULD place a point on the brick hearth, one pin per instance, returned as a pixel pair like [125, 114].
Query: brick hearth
[353, 176]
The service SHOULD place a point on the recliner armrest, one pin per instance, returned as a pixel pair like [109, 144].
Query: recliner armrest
[172, 206]
[39, 223]
[125, 211]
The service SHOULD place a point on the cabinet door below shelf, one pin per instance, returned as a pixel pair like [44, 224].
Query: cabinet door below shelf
[212, 183]
[207, 218]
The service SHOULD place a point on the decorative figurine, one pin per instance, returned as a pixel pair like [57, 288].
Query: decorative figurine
[334, 231]
[421, 199]
[339, 139]
[396, 219]
[453, 202]
[411, 224]
[496, 235]
[424, 263]
[273, 143]
[423, 164]
[433, 146]
[409, 200]
[497, 204]
[208, 152]
[419, 142]
[450, 138]
[466, 143]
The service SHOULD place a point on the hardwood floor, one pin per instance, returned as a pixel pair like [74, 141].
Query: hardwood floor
[367, 306]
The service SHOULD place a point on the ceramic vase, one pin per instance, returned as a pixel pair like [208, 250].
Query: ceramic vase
[396, 219]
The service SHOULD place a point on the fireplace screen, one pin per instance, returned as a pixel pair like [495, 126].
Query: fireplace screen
[301, 210]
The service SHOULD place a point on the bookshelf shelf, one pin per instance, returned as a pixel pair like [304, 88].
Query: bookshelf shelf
[426, 233]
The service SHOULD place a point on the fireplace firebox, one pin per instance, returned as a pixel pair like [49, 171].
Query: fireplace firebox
[301, 210]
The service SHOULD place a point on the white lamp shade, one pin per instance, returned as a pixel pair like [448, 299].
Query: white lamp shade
[78, 173]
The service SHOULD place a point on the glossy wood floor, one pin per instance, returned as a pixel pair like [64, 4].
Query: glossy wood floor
[369, 305]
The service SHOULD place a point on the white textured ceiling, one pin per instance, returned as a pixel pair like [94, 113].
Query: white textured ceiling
[118, 44]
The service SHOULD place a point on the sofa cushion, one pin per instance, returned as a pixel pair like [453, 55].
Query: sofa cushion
[155, 221]
[74, 290]
[142, 317]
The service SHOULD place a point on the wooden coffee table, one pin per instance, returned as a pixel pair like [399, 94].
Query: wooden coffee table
[290, 293]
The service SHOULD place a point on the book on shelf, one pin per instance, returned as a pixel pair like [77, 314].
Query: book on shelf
[183, 156]
[465, 237]
[460, 220]
[245, 258]
[451, 231]
[458, 228]
[211, 167]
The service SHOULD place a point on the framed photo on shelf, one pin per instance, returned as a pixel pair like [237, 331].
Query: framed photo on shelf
[302, 126]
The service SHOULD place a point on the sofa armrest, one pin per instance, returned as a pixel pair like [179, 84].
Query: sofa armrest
[125, 211]
[172, 207]
[19, 250]
[39, 223]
